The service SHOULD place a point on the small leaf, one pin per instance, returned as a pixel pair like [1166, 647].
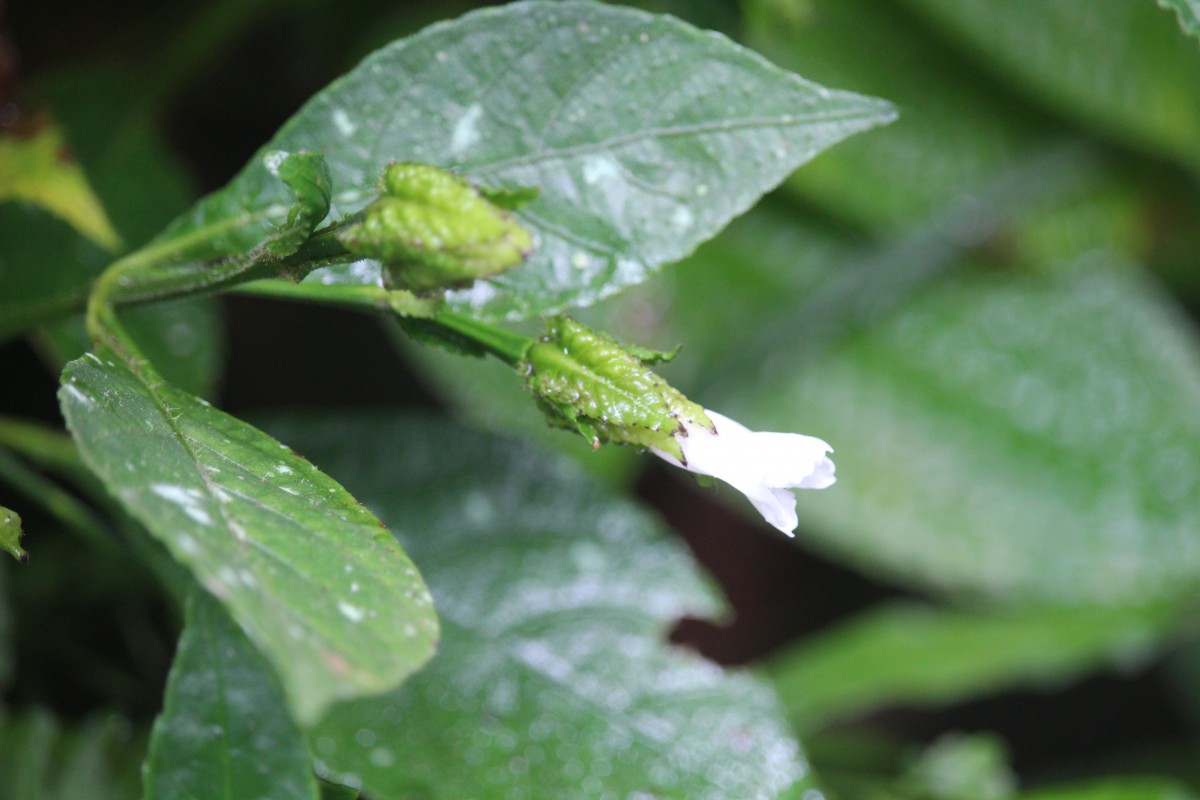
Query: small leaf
[38, 168]
[1188, 12]
[555, 679]
[307, 175]
[313, 578]
[644, 135]
[224, 733]
[10, 534]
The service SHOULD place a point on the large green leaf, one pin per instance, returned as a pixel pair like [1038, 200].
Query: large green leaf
[313, 578]
[1017, 436]
[912, 654]
[644, 135]
[1188, 12]
[224, 733]
[554, 679]
[1119, 65]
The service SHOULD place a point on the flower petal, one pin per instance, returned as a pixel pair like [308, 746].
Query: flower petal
[760, 465]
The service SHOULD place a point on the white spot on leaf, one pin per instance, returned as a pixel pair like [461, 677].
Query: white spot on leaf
[466, 130]
[352, 613]
[343, 123]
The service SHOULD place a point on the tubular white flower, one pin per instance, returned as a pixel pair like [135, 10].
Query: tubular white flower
[764, 466]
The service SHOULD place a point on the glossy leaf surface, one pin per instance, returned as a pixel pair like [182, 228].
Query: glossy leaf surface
[554, 677]
[643, 135]
[224, 733]
[317, 583]
[918, 655]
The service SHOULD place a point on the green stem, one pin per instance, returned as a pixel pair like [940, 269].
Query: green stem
[136, 279]
[508, 346]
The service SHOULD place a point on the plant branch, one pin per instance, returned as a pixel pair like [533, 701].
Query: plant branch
[506, 345]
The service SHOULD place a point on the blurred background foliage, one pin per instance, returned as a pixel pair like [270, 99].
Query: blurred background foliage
[988, 307]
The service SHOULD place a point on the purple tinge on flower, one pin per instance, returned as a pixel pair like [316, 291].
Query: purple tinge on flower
[764, 466]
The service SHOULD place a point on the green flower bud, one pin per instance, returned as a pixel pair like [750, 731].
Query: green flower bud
[588, 383]
[433, 230]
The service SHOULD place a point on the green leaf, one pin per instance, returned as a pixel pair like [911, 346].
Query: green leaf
[1119, 65]
[41, 759]
[10, 534]
[912, 654]
[317, 583]
[45, 265]
[554, 679]
[224, 731]
[307, 175]
[37, 168]
[1025, 438]
[956, 130]
[1131, 788]
[1188, 12]
[643, 135]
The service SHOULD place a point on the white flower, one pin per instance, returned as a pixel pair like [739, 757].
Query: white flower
[763, 466]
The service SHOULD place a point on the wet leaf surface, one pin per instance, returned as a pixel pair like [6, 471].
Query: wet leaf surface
[554, 678]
